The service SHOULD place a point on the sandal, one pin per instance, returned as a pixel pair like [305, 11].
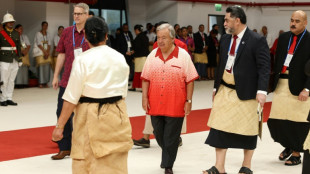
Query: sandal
[245, 170]
[213, 170]
[285, 154]
[295, 160]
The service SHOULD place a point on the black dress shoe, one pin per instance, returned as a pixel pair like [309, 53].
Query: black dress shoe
[168, 170]
[10, 102]
[4, 103]
[1, 83]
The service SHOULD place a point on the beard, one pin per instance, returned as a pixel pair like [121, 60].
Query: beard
[229, 30]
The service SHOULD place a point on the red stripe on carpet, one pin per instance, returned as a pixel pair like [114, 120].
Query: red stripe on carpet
[37, 141]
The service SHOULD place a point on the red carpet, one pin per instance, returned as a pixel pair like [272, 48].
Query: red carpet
[37, 141]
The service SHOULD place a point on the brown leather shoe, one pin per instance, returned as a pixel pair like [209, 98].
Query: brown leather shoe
[61, 155]
[168, 171]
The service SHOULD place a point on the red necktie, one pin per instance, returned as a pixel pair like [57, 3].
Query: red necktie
[232, 49]
[290, 51]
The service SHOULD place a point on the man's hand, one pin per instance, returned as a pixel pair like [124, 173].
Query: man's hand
[303, 96]
[55, 82]
[128, 53]
[57, 134]
[145, 104]
[187, 108]
[261, 99]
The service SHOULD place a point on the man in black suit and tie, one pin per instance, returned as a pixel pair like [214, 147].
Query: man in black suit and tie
[240, 86]
[124, 46]
[287, 122]
[200, 54]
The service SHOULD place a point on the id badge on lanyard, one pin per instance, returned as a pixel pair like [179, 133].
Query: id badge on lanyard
[288, 60]
[230, 61]
[77, 52]
[24, 45]
[45, 46]
[129, 44]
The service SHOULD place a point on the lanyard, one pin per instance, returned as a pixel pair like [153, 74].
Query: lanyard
[74, 38]
[289, 43]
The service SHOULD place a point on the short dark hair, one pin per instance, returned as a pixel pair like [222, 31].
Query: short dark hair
[61, 27]
[189, 26]
[214, 31]
[44, 22]
[183, 28]
[91, 13]
[201, 25]
[125, 24]
[96, 30]
[213, 26]
[237, 12]
[138, 27]
[176, 25]
[18, 26]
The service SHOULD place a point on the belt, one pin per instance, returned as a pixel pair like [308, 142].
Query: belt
[109, 100]
[228, 85]
[8, 48]
[101, 101]
[284, 76]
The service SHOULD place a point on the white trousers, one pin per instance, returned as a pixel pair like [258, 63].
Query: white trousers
[148, 128]
[8, 72]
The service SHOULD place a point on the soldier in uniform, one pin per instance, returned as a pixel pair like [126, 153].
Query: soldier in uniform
[9, 59]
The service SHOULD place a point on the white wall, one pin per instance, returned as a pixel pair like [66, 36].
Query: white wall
[57, 14]
[7, 6]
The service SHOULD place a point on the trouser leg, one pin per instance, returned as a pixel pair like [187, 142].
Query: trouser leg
[167, 131]
[65, 142]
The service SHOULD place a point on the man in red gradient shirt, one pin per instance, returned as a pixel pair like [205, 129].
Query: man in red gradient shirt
[167, 90]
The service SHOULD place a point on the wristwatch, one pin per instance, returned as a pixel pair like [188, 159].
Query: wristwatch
[58, 126]
[189, 101]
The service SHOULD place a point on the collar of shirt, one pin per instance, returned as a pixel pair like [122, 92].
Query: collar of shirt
[174, 53]
[75, 30]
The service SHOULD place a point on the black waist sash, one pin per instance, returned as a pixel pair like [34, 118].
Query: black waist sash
[101, 101]
[228, 85]
[284, 76]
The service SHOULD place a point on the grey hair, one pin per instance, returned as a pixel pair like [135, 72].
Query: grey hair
[169, 27]
[84, 6]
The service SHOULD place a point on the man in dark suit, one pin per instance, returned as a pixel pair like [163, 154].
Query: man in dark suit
[240, 86]
[200, 54]
[288, 123]
[124, 46]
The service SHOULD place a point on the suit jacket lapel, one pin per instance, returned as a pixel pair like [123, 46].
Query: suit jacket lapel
[302, 42]
[242, 43]
[226, 48]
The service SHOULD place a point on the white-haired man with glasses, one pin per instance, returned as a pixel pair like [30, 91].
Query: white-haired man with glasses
[71, 44]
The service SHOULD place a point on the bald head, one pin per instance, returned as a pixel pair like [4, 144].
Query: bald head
[301, 13]
[298, 22]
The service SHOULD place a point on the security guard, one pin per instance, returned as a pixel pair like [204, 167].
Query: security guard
[10, 56]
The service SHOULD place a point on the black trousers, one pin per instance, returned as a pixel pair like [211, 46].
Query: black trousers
[167, 131]
[65, 142]
[305, 163]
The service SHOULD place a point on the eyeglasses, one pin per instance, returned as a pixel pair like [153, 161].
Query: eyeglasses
[78, 14]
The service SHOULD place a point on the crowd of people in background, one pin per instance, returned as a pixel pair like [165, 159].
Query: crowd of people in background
[202, 47]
